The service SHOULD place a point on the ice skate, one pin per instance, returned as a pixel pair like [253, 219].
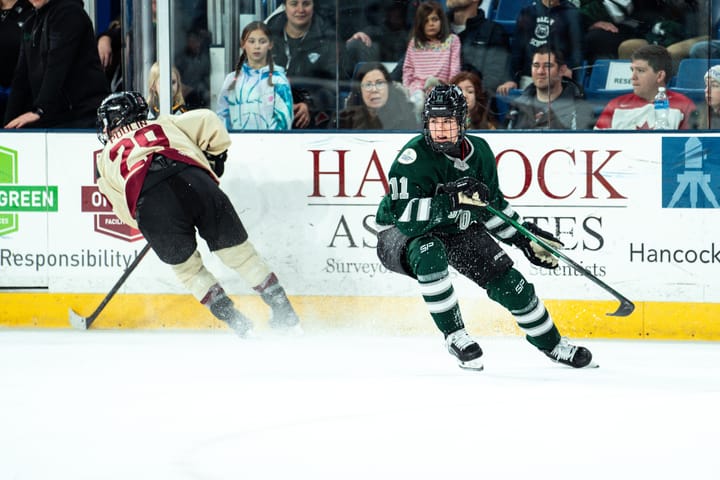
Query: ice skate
[284, 319]
[465, 349]
[571, 355]
[241, 325]
[223, 308]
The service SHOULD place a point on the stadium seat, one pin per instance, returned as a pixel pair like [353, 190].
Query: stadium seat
[502, 104]
[690, 78]
[608, 79]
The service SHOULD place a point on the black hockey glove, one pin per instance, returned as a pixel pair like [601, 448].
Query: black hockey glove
[533, 251]
[217, 162]
[466, 192]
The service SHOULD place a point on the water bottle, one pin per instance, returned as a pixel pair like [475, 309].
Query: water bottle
[662, 110]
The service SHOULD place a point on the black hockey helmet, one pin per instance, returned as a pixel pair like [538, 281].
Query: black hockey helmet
[445, 101]
[119, 109]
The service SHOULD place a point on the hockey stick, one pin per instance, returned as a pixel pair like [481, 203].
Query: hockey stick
[83, 323]
[626, 306]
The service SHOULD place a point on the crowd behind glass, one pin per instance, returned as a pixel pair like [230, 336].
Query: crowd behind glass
[367, 65]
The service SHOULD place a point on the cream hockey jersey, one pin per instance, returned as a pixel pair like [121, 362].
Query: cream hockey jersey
[125, 160]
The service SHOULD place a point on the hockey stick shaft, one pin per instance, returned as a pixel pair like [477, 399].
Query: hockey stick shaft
[626, 306]
[85, 322]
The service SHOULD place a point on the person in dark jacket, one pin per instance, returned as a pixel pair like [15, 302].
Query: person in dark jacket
[552, 101]
[59, 81]
[485, 44]
[554, 22]
[13, 14]
[109, 49]
[305, 48]
[376, 103]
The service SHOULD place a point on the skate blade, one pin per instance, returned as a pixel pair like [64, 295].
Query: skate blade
[592, 364]
[475, 365]
[294, 331]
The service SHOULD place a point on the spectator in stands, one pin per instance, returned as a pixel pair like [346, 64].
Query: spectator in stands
[709, 116]
[305, 48]
[12, 16]
[178, 100]
[709, 48]
[193, 63]
[59, 81]
[369, 31]
[377, 103]
[554, 22]
[651, 68]
[553, 101]
[257, 95]
[478, 103]
[606, 25]
[674, 25]
[485, 44]
[706, 49]
[108, 45]
[433, 53]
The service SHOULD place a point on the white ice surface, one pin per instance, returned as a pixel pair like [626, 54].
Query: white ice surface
[107, 405]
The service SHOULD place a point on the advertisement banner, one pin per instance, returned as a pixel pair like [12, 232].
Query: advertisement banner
[636, 210]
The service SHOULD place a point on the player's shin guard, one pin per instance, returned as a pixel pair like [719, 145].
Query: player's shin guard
[194, 276]
[204, 286]
[273, 294]
[245, 260]
[513, 292]
[427, 258]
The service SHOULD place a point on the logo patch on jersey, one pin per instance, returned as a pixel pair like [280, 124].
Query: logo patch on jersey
[408, 156]
[460, 164]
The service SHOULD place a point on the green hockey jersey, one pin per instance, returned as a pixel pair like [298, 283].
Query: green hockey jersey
[413, 205]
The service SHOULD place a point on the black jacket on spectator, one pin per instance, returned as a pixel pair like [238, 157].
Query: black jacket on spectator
[310, 66]
[560, 26]
[569, 111]
[59, 70]
[11, 23]
[397, 114]
[485, 47]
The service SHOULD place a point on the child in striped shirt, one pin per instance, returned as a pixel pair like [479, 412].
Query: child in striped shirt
[433, 53]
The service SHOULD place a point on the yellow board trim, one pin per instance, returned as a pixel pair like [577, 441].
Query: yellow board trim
[394, 315]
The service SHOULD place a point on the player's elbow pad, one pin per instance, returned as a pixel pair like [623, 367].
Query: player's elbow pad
[217, 162]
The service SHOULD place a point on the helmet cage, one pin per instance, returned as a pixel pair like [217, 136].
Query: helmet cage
[445, 101]
[119, 109]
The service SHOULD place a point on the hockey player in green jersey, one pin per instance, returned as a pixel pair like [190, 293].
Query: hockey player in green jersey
[433, 218]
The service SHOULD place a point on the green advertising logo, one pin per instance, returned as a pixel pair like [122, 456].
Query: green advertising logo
[16, 198]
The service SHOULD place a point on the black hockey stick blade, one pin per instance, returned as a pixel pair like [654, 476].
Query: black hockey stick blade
[83, 323]
[625, 308]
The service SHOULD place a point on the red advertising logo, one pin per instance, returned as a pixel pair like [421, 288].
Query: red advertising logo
[106, 222]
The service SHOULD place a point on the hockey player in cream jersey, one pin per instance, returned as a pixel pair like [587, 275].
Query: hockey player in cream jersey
[161, 176]
[432, 218]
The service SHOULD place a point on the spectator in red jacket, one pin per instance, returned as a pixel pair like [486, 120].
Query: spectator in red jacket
[651, 68]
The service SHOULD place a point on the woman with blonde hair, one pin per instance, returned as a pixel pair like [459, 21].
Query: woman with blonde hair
[178, 100]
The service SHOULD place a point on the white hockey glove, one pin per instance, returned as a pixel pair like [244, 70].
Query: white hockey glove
[533, 251]
[466, 192]
[217, 162]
